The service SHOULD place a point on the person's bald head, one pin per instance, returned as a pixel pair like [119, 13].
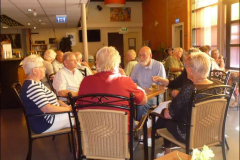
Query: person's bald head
[59, 56]
[145, 56]
[78, 56]
[130, 55]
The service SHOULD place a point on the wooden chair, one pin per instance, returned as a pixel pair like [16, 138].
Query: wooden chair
[16, 87]
[206, 119]
[105, 133]
[219, 76]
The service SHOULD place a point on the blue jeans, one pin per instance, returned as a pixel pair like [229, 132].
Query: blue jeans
[142, 110]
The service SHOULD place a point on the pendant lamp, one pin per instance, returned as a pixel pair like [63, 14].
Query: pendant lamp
[115, 3]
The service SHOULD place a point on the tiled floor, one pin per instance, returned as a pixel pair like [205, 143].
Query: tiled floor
[14, 140]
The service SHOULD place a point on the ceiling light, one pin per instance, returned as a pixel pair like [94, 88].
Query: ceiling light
[5, 27]
[115, 3]
[34, 27]
[30, 10]
[29, 24]
[39, 20]
[35, 13]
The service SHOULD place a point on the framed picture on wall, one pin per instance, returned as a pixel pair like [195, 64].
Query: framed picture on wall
[15, 39]
[132, 43]
[52, 40]
[120, 14]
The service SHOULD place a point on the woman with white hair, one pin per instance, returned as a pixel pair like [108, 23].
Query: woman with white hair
[109, 80]
[49, 56]
[38, 99]
[197, 67]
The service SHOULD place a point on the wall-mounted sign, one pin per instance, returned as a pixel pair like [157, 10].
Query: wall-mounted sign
[61, 18]
[177, 20]
[123, 30]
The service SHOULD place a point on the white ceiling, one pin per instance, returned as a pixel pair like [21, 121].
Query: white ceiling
[46, 12]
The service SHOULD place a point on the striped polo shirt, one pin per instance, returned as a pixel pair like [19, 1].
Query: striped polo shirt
[34, 96]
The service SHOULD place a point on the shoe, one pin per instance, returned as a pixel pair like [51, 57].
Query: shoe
[174, 146]
[149, 140]
[158, 155]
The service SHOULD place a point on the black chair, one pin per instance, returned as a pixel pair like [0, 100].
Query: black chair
[201, 128]
[104, 133]
[16, 87]
[83, 71]
[219, 76]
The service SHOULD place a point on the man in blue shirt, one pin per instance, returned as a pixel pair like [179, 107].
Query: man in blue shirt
[142, 75]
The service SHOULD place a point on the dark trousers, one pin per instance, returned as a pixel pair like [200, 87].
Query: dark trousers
[172, 128]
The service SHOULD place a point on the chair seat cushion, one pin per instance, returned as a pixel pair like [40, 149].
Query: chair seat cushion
[62, 131]
[167, 135]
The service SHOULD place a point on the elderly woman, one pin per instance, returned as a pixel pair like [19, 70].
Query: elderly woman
[38, 99]
[49, 56]
[197, 69]
[109, 80]
[218, 58]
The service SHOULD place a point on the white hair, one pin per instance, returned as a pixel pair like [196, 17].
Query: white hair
[78, 54]
[201, 63]
[178, 49]
[49, 55]
[31, 62]
[108, 59]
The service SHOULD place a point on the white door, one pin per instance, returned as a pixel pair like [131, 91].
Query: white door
[177, 35]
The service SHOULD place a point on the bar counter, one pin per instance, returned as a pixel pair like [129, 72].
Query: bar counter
[9, 75]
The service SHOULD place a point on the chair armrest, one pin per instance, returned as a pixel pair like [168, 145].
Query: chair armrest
[44, 114]
[170, 120]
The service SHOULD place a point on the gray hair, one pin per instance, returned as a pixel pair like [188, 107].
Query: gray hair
[67, 54]
[108, 59]
[49, 55]
[201, 63]
[178, 49]
[78, 54]
[31, 62]
[131, 53]
[193, 49]
[214, 51]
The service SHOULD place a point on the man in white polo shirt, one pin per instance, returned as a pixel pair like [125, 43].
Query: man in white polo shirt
[68, 78]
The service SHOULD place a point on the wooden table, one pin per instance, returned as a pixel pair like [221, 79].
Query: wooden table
[173, 156]
[154, 92]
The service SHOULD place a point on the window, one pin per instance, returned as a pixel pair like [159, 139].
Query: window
[232, 36]
[204, 18]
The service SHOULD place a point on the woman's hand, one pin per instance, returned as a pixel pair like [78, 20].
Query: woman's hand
[175, 93]
[156, 79]
[166, 114]
[161, 80]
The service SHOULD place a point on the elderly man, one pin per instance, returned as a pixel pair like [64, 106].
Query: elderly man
[81, 64]
[131, 61]
[173, 63]
[68, 78]
[142, 75]
[58, 62]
